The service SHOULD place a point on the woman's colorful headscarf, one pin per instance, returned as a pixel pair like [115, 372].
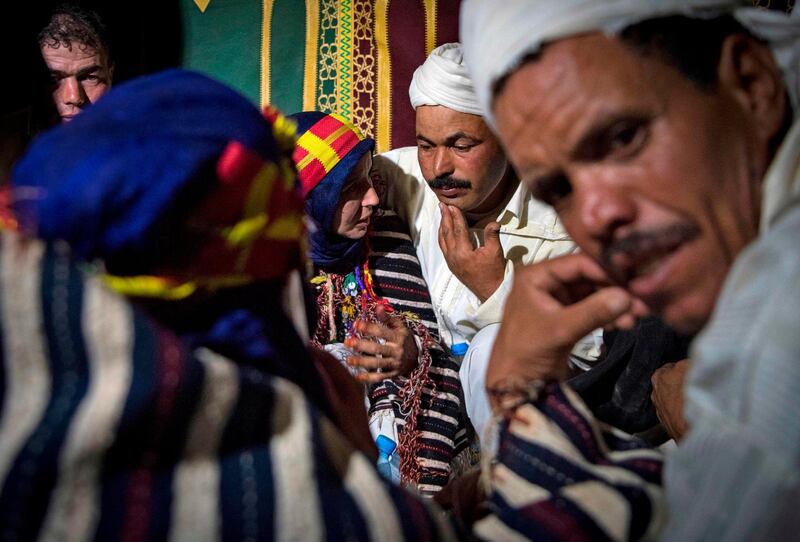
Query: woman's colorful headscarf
[328, 148]
[173, 176]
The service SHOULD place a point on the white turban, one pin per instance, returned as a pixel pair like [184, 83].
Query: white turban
[443, 80]
[497, 35]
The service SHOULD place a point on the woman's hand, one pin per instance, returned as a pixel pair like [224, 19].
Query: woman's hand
[386, 348]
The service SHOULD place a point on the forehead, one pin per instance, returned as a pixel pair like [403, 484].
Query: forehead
[438, 121]
[75, 56]
[574, 83]
[361, 169]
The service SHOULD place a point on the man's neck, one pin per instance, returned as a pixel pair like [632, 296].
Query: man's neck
[496, 201]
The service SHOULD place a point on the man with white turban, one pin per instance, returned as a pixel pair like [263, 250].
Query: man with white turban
[469, 218]
[664, 134]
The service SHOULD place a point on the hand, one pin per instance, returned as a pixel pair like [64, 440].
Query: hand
[346, 397]
[396, 356]
[552, 305]
[480, 269]
[667, 396]
[464, 497]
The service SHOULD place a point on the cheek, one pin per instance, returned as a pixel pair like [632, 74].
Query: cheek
[426, 164]
[93, 92]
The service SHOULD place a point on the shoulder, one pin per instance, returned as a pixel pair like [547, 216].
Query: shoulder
[405, 157]
[746, 357]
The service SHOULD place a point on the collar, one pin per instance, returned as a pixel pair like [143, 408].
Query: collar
[524, 211]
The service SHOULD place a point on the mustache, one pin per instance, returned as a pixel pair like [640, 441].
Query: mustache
[448, 181]
[642, 242]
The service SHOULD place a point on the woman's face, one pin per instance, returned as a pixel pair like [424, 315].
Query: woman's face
[356, 202]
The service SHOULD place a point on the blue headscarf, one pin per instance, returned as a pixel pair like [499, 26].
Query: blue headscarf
[330, 251]
[111, 182]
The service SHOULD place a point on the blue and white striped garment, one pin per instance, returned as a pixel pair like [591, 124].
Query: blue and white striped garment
[110, 429]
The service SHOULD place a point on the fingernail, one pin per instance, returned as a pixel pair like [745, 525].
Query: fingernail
[618, 301]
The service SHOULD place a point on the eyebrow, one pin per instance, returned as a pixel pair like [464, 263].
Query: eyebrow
[83, 71]
[588, 144]
[451, 139]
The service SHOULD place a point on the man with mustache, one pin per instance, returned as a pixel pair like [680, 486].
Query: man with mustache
[665, 136]
[469, 218]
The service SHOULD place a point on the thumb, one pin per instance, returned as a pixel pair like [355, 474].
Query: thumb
[491, 235]
[385, 317]
[597, 310]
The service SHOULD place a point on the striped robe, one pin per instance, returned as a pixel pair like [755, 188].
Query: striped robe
[443, 427]
[111, 429]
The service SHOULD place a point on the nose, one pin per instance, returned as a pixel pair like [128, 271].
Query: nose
[442, 162]
[72, 93]
[370, 198]
[603, 206]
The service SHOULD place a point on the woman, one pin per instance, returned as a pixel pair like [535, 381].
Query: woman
[373, 305]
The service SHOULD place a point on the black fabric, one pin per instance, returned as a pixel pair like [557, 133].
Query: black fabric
[618, 388]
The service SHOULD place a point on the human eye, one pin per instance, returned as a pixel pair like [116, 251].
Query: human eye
[551, 189]
[463, 144]
[91, 79]
[626, 138]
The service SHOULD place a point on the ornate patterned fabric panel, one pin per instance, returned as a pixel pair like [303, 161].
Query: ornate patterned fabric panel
[351, 57]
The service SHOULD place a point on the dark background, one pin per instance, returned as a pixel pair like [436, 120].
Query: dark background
[146, 37]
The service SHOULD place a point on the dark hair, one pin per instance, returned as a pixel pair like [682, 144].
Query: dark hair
[692, 46]
[70, 24]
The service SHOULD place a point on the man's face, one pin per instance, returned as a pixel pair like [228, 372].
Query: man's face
[80, 76]
[460, 158]
[653, 178]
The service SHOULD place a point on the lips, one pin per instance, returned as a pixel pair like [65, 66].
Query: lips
[449, 193]
[646, 262]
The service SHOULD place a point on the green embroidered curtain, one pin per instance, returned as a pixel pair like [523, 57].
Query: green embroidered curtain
[352, 57]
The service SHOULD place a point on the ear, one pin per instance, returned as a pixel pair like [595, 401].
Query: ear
[747, 68]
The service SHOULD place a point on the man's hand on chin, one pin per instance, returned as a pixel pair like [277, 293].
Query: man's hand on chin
[552, 305]
[480, 269]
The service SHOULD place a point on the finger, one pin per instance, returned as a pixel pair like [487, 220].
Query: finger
[381, 314]
[460, 235]
[372, 363]
[366, 346]
[375, 330]
[372, 378]
[573, 268]
[445, 227]
[390, 320]
[597, 310]
[491, 237]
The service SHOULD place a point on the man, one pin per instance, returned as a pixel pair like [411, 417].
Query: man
[469, 218]
[663, 133]
[76, 49]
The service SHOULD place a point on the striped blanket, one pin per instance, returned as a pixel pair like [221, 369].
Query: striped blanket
[112, 429]
[432, 425]
[444, 430]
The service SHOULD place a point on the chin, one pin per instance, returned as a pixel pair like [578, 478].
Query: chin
[687, 317]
